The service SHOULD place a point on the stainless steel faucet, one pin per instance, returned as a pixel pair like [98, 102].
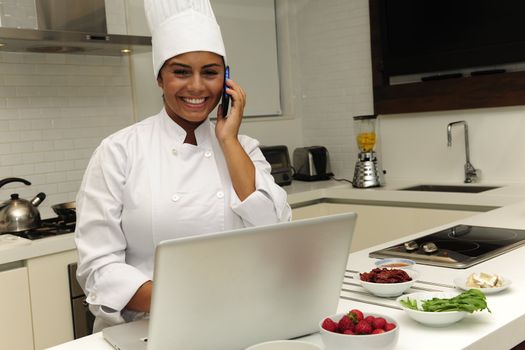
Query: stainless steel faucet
[471, 173]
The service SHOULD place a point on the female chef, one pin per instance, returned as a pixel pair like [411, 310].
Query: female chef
[172, 175]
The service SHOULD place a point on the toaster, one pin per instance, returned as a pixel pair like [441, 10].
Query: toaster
[279, 160]
[311, 163]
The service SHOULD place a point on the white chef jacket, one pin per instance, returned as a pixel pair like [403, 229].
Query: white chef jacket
[144, 185]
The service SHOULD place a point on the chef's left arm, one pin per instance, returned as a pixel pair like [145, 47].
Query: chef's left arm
[256, 198]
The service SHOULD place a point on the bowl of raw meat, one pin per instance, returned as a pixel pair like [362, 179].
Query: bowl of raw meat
[385, 282]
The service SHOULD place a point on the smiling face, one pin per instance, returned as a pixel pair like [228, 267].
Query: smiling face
[192, 84]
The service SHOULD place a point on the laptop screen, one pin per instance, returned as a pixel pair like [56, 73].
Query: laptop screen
[234, 289]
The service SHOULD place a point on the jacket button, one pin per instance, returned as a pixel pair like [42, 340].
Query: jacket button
[220, 194]
[175, 197]
[174, 151]
[207, 154]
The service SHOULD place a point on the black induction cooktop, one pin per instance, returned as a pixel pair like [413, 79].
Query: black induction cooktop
[459, 247]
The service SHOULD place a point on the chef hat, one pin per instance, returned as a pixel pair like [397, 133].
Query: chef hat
[180, 26]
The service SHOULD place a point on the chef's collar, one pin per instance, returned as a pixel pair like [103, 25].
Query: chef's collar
[177, 133]
[180, 26]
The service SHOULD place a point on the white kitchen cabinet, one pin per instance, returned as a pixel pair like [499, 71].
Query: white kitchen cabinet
[15, 315]
[378, 224]
[50, 299]
[248, 29]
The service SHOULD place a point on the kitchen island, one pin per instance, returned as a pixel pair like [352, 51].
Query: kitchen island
[502, 207]
[501, 329]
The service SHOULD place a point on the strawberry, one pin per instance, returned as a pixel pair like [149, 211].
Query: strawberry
[370, 319]
[389, 326]
[363, 327]
[378, 331]
[349, 331]
[355, 315]
[329, 325]
[345, 323]
[379, 323]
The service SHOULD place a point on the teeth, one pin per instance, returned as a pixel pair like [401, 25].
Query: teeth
[194, 101]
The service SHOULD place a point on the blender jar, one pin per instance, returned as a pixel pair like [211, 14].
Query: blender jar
[365, 128]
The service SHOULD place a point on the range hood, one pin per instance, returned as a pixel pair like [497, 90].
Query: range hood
[66, 26]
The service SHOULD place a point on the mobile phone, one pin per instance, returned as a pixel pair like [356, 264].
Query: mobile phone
[225, 97]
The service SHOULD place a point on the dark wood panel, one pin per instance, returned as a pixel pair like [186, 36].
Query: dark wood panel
[506, 89]
[483, 91]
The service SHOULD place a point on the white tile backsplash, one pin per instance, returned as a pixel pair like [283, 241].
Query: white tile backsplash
[54, 110]
[415, 146]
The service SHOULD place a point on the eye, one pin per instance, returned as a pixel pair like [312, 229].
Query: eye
[210, 72]
[182, 72]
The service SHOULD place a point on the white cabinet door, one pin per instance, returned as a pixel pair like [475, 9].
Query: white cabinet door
[15, 316]
[50, 299]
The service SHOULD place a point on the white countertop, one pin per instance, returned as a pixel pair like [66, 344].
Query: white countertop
[500, 329]
[389, 194]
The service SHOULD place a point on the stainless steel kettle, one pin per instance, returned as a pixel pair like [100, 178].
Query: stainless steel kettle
[18, 214]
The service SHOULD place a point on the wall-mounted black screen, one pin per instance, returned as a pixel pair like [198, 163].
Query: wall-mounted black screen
[421, 36]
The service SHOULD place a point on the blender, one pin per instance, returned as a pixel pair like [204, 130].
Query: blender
[366, 172]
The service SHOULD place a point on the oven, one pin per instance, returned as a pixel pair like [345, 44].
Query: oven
[83, 319]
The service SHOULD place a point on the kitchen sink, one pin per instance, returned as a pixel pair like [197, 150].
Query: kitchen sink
[449, 188]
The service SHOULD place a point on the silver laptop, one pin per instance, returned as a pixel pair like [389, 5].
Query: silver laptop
[234, 289]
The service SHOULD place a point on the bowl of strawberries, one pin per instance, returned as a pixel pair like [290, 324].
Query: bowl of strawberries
[355, 330]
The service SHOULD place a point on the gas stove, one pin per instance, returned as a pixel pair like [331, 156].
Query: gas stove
[457, 247]
[49, 227]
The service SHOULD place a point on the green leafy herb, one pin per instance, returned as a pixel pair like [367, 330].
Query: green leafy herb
[411, 304]
[469, 301]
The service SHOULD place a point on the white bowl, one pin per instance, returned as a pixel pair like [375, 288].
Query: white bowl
[285, 345]
[395, 263]
[461, 282]
[337, 341]
[434, 319]
[389, 289]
